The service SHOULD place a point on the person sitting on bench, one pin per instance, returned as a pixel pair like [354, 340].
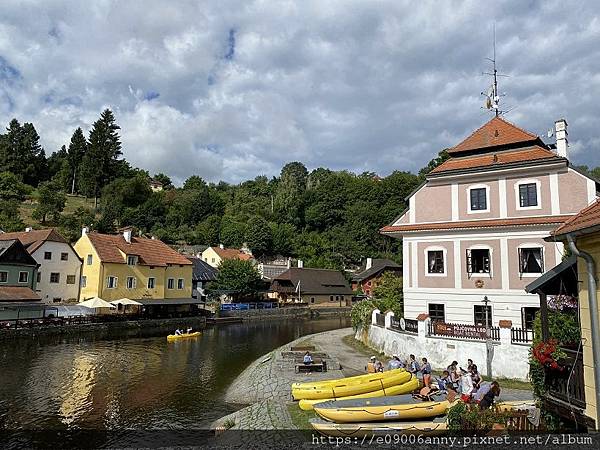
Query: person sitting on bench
[307, 358]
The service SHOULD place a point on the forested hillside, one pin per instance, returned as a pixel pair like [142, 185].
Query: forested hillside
[327, 218]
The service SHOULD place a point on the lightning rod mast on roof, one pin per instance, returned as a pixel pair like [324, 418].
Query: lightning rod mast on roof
[492, 97]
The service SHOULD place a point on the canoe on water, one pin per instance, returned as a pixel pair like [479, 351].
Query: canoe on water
[176, 337]
[404, 388]
[344, 388]
[398, 407]
[358, 430]
[347, 380]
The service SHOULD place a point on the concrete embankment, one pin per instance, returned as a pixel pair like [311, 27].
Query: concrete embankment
[287, 313]
[130, 328]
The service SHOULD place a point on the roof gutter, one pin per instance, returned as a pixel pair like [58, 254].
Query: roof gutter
[593, 306]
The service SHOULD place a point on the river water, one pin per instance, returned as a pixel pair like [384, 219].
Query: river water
[91, 382]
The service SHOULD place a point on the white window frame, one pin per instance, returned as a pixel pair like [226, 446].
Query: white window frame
[487, 199]
[26, 277]
[134, 258]
[133, 282]
[180, 282]
[108, 278]
[531, 274]
[538, 186]
[481, 275]
[170, 282]
[153, 283]
[445, 256]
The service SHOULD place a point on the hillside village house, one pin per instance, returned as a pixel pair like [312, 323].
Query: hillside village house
[368, 275]
[142, 269]
[315, 287]
[476, 226]
[214, 255]
[202, 274]
[59, 269]
[18, 270]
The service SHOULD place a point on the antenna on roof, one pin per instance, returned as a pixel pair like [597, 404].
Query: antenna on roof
[492, 97]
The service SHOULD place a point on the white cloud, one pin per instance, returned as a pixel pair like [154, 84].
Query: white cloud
[359, 85]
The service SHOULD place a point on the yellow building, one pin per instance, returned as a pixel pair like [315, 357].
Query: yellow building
[582, 236]
[125, 266]
[215, 255]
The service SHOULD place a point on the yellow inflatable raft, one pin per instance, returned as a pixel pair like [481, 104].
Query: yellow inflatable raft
[400, 407]
[347, 380]
[404, 388]
[357, 430]
[346, 389]
[176, 337]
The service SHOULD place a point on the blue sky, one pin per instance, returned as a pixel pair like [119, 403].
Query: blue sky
[230, 90]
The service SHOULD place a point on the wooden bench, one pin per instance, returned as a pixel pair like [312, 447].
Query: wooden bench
[306, 348]
[314, 367]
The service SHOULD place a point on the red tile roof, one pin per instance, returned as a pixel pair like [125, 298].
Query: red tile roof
[33, 239]
[231, 253]
[496, 132]
[586, 218]
[13, 294]
[486, 223]
[151, 252]
[497, 159]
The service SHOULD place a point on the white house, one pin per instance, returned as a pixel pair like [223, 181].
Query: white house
[58, 276]
[476, 227]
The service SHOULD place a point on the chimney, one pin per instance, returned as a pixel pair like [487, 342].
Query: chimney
[28, 229]
[369, 263]
[300, 264]
[221, 246]
[562, 143]
[84, 231]
[289, 262]
[127, 235]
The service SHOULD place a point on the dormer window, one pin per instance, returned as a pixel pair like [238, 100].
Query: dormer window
[132, 260]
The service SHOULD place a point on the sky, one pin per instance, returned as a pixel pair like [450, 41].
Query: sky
[229, 90]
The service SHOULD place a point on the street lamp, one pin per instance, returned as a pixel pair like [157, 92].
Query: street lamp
[488, 339]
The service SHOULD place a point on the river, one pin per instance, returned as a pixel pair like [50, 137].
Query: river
[88, 382]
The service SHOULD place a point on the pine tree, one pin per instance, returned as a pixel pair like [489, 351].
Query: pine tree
[22, 154]
[75, 154]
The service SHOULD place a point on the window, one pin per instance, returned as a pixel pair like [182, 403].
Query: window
[213, 259]
[83, 281]
[171, 283]
[38, 277]
[54, 277]
[435, 261]
[111, 282]
[528, 195]
[131, 260]
[64, 256]
[479, 315]
[478, 261]
[180, 283]
[531, 260]
[151, 282]
[47, 255]
[437, 312]
[90, 259]
[56, 300]
[331, 298]
[528, 316]
[70, 279]
[131, 282]
[312, 299]
[368, 283]
[3, 277]
[478, 199]
[23, 277]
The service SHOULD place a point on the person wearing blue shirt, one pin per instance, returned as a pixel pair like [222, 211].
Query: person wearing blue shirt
[307, 358]
[395, 363]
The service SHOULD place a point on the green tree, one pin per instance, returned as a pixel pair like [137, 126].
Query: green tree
[70, 225]
[195, 182]
[259, 237]
[288, 201]
[232, 232]
[100, 163]
[237, 278]
[10, 220]
[76, 152]
[283, 238]
[388, 293]
[123, 194]
[165, 180]
[11, 188]
[51, 202]
[22, 154]
[438, 160]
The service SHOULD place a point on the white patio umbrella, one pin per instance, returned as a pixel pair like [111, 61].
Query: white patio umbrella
[126, 301]
[97, 302]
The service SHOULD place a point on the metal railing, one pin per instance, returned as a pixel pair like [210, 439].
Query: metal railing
[248, 306]
[567, 385]
[521, 336]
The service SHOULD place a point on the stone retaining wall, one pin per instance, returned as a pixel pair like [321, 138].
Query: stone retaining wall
[133, 328]
[287, 312]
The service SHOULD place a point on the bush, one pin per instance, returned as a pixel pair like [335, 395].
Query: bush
[468, 417]
[361, 313]
[562, 326]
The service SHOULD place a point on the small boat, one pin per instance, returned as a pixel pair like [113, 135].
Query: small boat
[344, 388]
[347, 380]
[398, 407]
[404, 388]
[176, 337]
[438, 425]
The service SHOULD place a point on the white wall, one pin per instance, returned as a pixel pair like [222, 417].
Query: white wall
[49, 291]
[510, 361]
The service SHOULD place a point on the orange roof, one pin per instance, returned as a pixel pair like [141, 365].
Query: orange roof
[487, 223]
[14, 293]
[33, 239]
[496, 132]
[150, 252]
[497, 159]
[231, 253]
[586, 218]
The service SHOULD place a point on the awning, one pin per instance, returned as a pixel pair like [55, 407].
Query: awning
[170, 301]
[125, 301]
[561, 279]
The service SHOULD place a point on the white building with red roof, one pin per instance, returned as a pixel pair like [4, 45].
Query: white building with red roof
[476, 226]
